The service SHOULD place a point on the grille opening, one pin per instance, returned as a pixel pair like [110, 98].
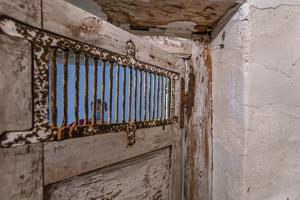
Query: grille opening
[70, 94]
[86, 91]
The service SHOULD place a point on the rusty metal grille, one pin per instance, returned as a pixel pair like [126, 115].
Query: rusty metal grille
[86, 91]
[80, 89]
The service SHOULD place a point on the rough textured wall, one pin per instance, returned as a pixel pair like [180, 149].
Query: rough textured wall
[180, 18]
[273, 77]
[257, 104]
[228, 110]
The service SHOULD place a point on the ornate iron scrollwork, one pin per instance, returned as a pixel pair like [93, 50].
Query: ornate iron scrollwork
[45, 44]
[130, 49]
[130, 130]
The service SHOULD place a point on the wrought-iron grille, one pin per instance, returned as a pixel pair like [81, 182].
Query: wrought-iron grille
[80, 89]
[88, 91]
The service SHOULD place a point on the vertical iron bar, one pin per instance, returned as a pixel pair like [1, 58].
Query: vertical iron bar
[103, 92]
[158, 95]
[117, 93]
[77, 62]
[150, 94]
[65, 85]
[111, 66]
[162, 98]
[130, 94]
[86, 90]
[124, 93]
[165, 96]
[145, 94]
[135, 95]
[95, 90]
[173, 99]
[53, 87]
[154, 95]
[169, 98]
[141, 95]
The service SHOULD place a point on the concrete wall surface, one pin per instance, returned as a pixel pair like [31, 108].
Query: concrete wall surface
[256, 103]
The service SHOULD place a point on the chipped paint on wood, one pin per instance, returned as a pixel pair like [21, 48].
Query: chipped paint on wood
[15, 84]
[176, 46]
[64, 159]
[196, 100]
[187, 98]
[140, 178]
[27, 11]
[199, 138]
[21, 173]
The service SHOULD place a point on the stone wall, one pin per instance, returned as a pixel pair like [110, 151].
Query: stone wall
[256, 103]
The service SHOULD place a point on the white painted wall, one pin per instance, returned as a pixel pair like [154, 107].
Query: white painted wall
[256, 103]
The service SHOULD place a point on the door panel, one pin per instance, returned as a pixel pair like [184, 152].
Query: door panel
[130, 158]
[80, 155]
[143, 177]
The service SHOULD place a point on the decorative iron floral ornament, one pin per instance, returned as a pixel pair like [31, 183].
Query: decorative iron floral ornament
[131, 133]
[130, 49]
[44, 49]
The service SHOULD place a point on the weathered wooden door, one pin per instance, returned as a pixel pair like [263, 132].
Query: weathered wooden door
[105, 107]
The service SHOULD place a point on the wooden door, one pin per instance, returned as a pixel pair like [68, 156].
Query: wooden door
[105, 107]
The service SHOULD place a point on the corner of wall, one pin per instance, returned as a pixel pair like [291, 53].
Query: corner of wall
[230, 49]
[256, 103]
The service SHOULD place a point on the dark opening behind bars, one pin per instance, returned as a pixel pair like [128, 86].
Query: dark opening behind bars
[89, 91]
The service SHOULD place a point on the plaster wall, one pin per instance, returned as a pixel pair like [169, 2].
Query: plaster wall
[256, 103]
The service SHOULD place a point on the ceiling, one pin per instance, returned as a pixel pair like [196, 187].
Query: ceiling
[181, 18]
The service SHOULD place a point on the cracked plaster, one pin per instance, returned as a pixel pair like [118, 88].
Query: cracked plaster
[256, 103]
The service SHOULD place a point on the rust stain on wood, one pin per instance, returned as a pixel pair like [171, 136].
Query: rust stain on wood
[208, 101]
[91, 25]
[187, 98]
[199, 124]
